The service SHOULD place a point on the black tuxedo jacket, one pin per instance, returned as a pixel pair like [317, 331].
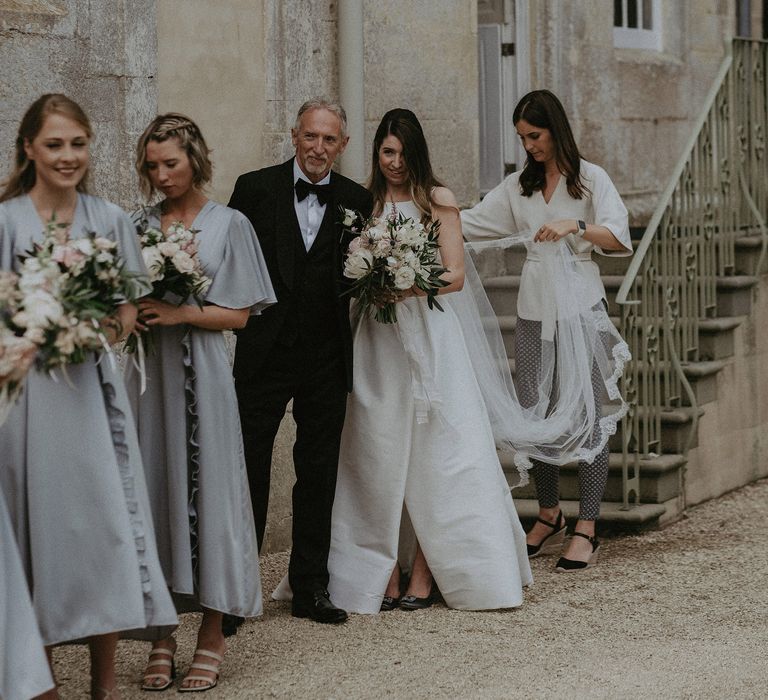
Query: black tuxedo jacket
[266, 198]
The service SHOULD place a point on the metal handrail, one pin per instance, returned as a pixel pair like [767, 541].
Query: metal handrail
[666, 196]
[689, 242]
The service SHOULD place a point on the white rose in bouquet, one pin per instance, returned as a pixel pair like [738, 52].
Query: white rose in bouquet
[35, 335]
[33, 279]
[393, 261]
[411, 235]
[40, 309]
[184, 263]
[378, 231]
[358, 263]
[83, 245]
[405, 277]
[168, 248]
[154, 261]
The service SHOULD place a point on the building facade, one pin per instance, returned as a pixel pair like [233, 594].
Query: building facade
[632, 74]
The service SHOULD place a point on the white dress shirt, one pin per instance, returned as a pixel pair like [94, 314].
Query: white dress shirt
[505, 211]
[309, 211]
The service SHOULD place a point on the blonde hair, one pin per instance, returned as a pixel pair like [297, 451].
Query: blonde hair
[178, 126]
[23, 176]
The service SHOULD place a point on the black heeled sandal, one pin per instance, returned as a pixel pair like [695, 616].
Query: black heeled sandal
[567, 565]
[553, 541]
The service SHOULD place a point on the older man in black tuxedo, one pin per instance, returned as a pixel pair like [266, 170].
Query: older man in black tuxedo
[301, 348]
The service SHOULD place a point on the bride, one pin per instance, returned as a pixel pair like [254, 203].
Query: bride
[419, 483]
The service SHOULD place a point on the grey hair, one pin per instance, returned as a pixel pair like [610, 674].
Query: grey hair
[324, 103]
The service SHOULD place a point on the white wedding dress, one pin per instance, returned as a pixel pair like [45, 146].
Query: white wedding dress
[418, 458]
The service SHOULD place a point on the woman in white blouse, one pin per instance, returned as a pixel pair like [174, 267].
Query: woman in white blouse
[558, 196]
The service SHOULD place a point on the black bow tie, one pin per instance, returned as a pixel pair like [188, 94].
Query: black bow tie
[322, 192]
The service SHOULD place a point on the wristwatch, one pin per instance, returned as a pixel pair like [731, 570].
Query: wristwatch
[582, 228]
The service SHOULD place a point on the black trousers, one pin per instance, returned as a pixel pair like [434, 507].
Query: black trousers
[313, 375]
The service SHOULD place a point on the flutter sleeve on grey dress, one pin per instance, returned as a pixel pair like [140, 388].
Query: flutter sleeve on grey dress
[108, 219]
[242, 260]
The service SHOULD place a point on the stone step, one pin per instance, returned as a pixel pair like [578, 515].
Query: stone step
[659, 478]
[701, 375]
[646, 516]
[491, 261]
[734, 294]
[748, 250]
[675, 428]
[716, 337]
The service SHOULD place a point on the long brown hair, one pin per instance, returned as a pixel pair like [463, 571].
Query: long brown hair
[403, 125]
[191, 141]
[542, 109]
[23, 176]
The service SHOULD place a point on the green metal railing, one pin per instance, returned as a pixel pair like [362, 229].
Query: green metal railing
[718, 192]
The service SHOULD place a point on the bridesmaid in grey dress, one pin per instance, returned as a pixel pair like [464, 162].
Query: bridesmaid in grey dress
[24, 671]
[187, 418]
[70, 465]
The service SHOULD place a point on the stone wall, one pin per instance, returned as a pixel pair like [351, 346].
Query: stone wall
[631, 110]
[211, 66]
[733, 431]
[423, 57]
[102, 53]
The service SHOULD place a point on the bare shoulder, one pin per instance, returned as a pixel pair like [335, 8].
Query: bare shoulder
[443, 197]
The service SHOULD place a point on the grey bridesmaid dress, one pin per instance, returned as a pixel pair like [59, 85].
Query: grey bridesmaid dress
[24, 671]
[71, 474]
[189, 430]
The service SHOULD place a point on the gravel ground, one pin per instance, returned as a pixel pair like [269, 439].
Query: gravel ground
[679, 613]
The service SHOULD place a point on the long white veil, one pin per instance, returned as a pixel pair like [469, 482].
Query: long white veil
[582, 358]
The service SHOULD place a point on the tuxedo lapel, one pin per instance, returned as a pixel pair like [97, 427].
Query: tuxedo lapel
[287, 226]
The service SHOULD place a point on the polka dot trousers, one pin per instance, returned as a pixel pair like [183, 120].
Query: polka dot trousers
[592, 477]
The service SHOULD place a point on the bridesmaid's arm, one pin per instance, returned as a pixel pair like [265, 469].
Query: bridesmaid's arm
[213, 318]
[601, 236]
[121, 324]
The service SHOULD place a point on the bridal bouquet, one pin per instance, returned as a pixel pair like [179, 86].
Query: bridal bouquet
[389, 256]
[174, 267]
[66, 292]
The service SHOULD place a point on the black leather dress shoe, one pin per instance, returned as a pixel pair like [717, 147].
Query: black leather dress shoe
[318, 607]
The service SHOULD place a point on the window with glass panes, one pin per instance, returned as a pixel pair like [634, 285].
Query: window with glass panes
[637, 24]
